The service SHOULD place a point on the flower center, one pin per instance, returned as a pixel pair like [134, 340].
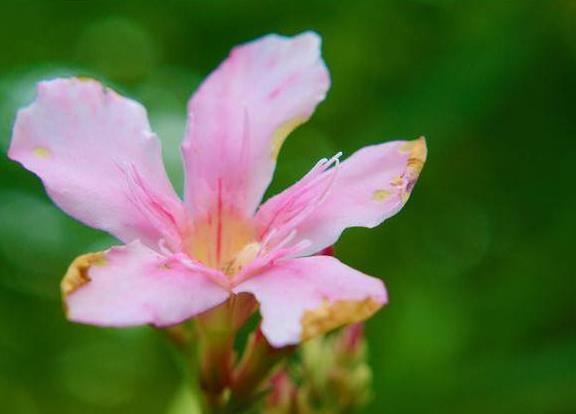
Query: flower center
[222, 240]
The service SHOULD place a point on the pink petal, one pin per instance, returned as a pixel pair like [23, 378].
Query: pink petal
[242, 113]
[369, 187]
[98, 159]
[305, 297]
[134, 285]
[280, 217]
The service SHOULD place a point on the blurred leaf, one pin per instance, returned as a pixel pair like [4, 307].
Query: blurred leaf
[184, 403]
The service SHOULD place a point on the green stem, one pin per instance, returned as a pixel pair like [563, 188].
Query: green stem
[208, 352]
[257, 365]
[190, 400]
[217, 330]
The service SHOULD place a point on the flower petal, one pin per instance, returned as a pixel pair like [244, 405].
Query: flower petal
[98, 159]
[305, 297]
[279, 218]
[134, 285]
[241, 115]
[370, 186]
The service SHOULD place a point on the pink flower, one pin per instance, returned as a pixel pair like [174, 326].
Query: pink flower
[100, 163]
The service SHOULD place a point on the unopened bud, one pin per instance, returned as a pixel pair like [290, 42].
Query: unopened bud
[283, 394]
[350, 343]
[332, 376]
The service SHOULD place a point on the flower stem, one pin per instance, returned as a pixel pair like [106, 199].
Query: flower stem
[250, 376]
[221, 385]
[191, 399]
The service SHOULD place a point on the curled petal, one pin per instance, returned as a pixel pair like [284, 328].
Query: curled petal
[305, 297]
[98, 159]
[134, 285]
[371, 185]
[241, 114]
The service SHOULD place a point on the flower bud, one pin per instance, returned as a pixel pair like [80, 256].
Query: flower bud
[332, 376]
[282, 397]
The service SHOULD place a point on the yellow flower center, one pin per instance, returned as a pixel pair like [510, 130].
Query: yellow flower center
[222, 240]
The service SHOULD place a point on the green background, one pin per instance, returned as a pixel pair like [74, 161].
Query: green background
[479, 265]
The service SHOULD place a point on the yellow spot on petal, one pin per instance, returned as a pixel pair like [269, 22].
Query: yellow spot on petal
[417, 155]
[331, 315]
[280, 134]
[415, 146]
[77, 274]
[415, 166]
[417, 152]
[42, 152]
[381, 195]
[397, 181]
[84, 79]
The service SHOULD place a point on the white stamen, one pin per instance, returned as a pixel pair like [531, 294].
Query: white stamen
[163, 247]
[266, 241]
[154, 207]
[285, 240]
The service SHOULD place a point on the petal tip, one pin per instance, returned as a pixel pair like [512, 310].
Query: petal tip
[417, 153]
[311, 36]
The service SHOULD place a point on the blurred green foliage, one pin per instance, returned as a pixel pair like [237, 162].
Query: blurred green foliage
[478, 265]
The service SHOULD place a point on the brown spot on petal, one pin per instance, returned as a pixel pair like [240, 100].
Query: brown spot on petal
[331, 315]
[397, 181]
[280, 134]
[381, 195]
[415, 165]
[417, 155]
[77, 274]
